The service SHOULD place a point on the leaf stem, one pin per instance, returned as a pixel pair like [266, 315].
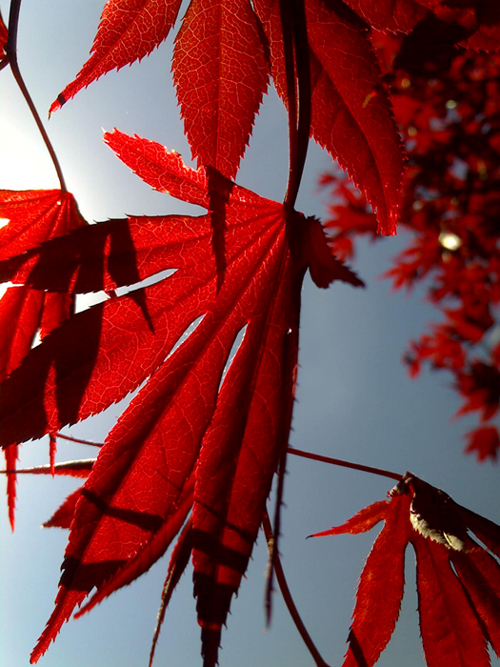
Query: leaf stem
[287, 596]
[298, 84]
[345, 464]
[11, 51]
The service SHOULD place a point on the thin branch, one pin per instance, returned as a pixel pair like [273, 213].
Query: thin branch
[291, 93]
[345, 464]
[11, 51]
[273, 545]
[287, 596]
[79, 440]
[298, 80]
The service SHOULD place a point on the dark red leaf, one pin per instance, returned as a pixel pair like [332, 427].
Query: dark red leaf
[379, 596]
[457, 579]
[178, 562]
[392, 15]
[484, 442]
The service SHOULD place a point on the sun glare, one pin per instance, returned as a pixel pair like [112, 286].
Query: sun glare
[18, 172]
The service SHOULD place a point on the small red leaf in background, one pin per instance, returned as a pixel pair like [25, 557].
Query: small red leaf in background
[481, 389]
[221, 73]
[3, 38]
[129, 30]
[33, 216]
[484, 442]
[457, 579]
[479, 18]
[446, 105]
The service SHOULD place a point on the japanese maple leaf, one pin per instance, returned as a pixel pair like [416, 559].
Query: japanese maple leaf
[33, 216]
[129, 30]
[458, 580]
[224, 53]
[3, 38]
[221, 73]
[484, 442]
[207, 430]
[219, 65]
[480, 386]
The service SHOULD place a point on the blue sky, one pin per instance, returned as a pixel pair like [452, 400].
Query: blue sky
[354, 399]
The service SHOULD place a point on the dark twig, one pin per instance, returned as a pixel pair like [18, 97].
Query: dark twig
[11, 58]
[79, 440]
[345, 464]
[287, 597]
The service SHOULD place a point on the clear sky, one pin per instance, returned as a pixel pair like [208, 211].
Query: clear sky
[354, 399]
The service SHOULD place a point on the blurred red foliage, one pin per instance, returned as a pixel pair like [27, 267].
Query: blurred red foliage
[448, 112]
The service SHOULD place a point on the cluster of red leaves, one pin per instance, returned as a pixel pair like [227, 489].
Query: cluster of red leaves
[208, 437]
[34, 217]
[194, 454]
[458, 580]
[447, 110]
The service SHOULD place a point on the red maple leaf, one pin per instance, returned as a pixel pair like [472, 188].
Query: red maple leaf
[484, 441]
[208, 429]
[458, 580]
[480, 386]
[129, 30]
[33, 216]
[3, 38]
[224, 53]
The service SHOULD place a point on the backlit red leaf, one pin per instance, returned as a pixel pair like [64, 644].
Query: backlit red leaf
[208, 428]
[129, 30]
[63, 516]
[33, 216]
[221, 73]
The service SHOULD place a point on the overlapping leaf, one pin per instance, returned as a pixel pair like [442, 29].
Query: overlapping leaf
[33, 216]
[205, 436]
[221, 68]
[457, 579]
[351, 114]
[392, 15]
